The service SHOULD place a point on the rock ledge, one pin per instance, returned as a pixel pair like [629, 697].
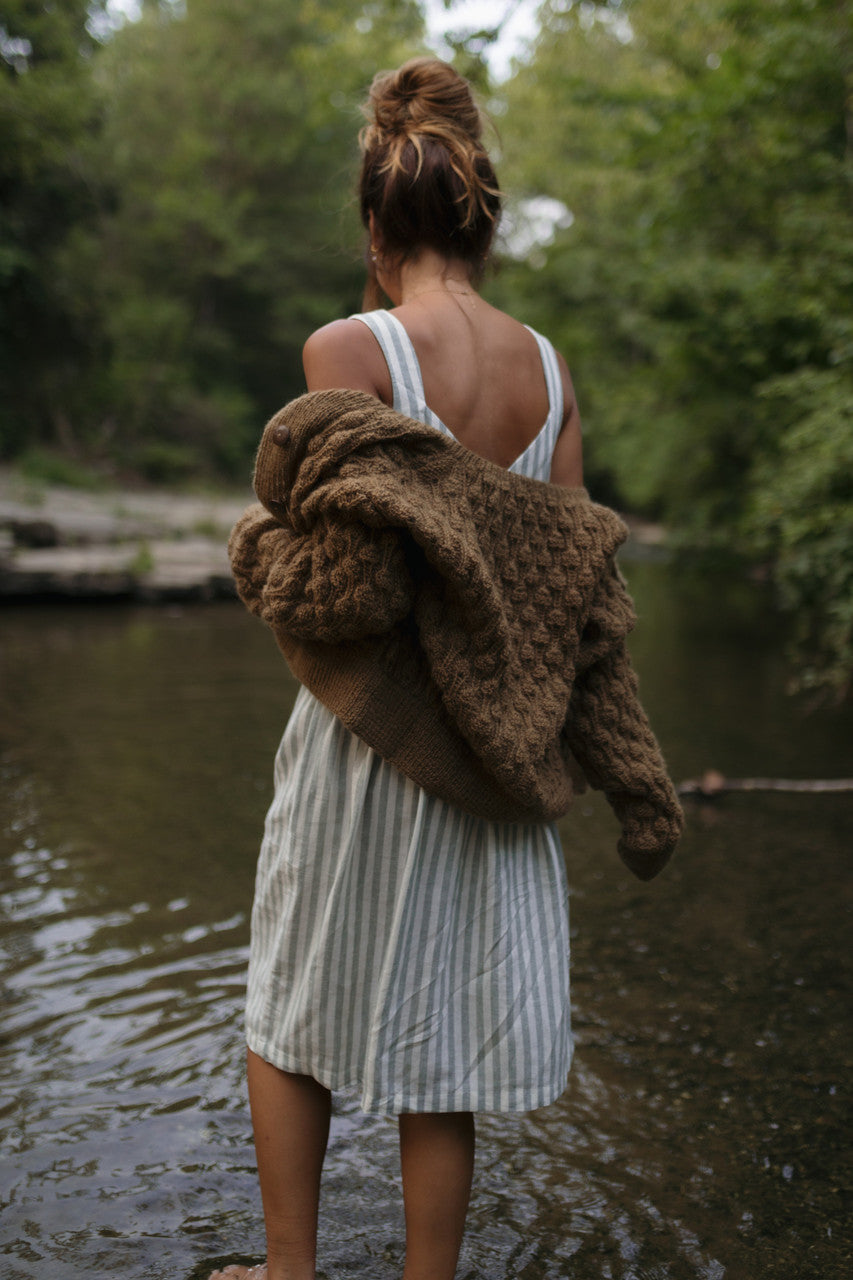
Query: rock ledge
[124, 544]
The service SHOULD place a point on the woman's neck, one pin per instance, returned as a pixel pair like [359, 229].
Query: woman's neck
[430, 274]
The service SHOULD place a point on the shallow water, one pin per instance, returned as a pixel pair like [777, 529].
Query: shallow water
[703, 1130]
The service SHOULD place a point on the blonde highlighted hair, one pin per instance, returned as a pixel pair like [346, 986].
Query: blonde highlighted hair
[426, 176]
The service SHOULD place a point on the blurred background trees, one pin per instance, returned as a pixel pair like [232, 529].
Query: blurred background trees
[179, 207]
[176, 215]
[704, 289]
[48, 114]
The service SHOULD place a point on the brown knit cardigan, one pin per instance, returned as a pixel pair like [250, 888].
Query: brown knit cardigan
[466, 622]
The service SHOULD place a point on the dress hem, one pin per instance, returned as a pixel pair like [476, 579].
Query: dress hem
[513, 1101]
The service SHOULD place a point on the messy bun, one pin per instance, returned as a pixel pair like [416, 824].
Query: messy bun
[425, 175]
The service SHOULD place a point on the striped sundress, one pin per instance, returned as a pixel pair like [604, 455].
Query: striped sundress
[400, 947]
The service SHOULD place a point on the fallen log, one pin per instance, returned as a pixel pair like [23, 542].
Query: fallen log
[713, 783]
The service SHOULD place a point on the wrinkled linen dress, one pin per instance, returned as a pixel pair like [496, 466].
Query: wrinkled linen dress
[401, 947]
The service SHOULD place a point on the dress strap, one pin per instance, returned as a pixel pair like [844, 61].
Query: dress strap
[553, 381]
[407, 384]
[536, 459]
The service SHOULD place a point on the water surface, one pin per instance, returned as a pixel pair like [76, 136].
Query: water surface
[702, 1133]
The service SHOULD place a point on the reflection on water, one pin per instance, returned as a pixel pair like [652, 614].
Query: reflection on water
[701, 1134]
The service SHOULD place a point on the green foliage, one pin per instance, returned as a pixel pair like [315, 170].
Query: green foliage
[143, 561]
[177, 218]
[44, 467]
[165, 462]
[704, 291]
[802, 518]
[230, 134]
[47, 108]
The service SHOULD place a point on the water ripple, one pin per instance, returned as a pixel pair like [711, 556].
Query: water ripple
[702, 1135]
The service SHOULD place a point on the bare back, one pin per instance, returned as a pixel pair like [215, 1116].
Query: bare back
[482, 374]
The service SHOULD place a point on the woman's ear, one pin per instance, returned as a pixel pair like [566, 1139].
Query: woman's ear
[375, 243]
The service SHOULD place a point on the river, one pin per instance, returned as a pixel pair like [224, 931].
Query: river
[702, 1133]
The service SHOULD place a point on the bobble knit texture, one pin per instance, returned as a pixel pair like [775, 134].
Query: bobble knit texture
[467, 622]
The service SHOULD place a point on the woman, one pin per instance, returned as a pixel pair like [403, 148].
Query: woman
[401, 946]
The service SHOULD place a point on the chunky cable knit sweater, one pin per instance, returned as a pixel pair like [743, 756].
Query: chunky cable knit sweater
[467, 622]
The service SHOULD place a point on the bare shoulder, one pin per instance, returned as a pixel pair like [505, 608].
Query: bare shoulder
[345, 354]
[567, 459]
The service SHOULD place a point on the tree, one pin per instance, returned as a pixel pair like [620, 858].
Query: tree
[177, 216]
[705, 289]
[230, 135]
[47, 109]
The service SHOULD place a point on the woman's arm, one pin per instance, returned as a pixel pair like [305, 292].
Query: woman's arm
[567, 459]
[345, 354]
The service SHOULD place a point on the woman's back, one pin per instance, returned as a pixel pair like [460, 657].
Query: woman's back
[482, 371]
[408, 395]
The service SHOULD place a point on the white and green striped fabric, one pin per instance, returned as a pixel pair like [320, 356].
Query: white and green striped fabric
[401, 947]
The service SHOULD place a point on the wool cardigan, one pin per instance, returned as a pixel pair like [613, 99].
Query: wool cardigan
[466, 622]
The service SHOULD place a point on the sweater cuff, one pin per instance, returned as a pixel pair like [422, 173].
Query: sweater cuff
[645, 864]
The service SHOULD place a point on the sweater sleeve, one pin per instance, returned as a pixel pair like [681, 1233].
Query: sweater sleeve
[337, 583]
[610, 736]
[256, 540]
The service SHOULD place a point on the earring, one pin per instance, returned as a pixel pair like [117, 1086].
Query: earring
[374, 253]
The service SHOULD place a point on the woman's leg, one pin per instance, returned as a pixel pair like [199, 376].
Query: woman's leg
[437, 1162]
[290, 1118]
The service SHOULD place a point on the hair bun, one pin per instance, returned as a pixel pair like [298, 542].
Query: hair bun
[425, 95]
[426, 177]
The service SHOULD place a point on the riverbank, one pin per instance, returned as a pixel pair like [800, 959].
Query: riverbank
[138, 544]
[142, 544]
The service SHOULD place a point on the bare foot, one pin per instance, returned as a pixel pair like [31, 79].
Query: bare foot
[238, 1272]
